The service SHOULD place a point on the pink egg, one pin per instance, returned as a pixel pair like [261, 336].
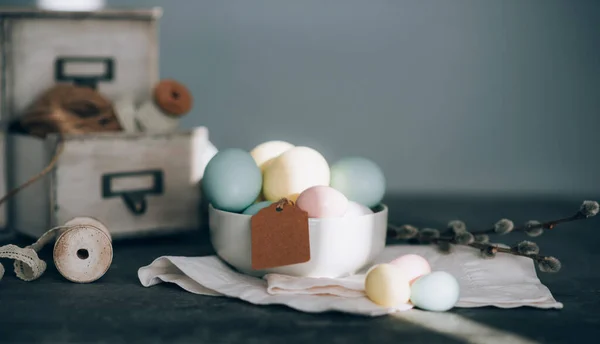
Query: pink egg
[322, 201]
[413, 266]
[356, 209]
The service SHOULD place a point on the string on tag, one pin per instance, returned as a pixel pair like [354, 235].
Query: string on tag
[82, 252]
[283, 202]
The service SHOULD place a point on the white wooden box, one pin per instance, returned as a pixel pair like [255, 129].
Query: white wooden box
[136, 184]
[114, 51]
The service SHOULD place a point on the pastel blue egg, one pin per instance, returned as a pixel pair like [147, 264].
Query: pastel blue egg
[437, 291]
[232, 181]
[359, 179]
[256, 207]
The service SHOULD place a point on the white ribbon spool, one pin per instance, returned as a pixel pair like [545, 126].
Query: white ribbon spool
[152, 119]
[147, 118]
[126, 112]
[82, 252]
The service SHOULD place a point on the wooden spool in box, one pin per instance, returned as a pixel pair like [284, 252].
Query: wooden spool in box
[170, 101]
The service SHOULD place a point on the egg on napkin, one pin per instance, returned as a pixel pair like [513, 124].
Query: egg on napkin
[438, 291]
[387, 286]
[412, 265]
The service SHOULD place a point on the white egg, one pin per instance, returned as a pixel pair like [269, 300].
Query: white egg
[356, 209]
[265, 152]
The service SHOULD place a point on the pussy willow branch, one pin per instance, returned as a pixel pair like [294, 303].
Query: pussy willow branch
[524, 249]
[534, 228]
[587, 210]
[543, 225]
[490, 247]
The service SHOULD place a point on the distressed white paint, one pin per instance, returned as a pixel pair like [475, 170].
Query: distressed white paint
[37, 42]
[75, 186]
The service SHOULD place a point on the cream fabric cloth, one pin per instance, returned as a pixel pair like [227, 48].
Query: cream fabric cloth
[506, 281]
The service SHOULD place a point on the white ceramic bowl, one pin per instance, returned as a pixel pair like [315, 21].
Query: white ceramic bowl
[338, 246]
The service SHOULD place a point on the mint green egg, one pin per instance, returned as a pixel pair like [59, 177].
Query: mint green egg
[359, 179]
[232, 181]
[256, 207]
[437, 291]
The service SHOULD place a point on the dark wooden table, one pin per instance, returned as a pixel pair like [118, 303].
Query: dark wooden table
[117, 309]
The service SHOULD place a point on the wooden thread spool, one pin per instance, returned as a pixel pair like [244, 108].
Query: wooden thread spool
[173, 98]
[83, 250]
[170, 100]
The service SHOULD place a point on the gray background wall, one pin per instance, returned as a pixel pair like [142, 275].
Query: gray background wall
[447, 96]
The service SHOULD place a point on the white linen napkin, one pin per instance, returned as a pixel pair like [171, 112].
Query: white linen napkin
[506, 281]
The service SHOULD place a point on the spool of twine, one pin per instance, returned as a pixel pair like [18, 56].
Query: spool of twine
[69, 109]
[82, 252]
[64, 109]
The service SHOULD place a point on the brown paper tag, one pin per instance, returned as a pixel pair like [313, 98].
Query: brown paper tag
[280, 236]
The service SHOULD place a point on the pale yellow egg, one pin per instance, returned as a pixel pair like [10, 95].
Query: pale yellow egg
[294, 171]
[265, 152]
[387, 286]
